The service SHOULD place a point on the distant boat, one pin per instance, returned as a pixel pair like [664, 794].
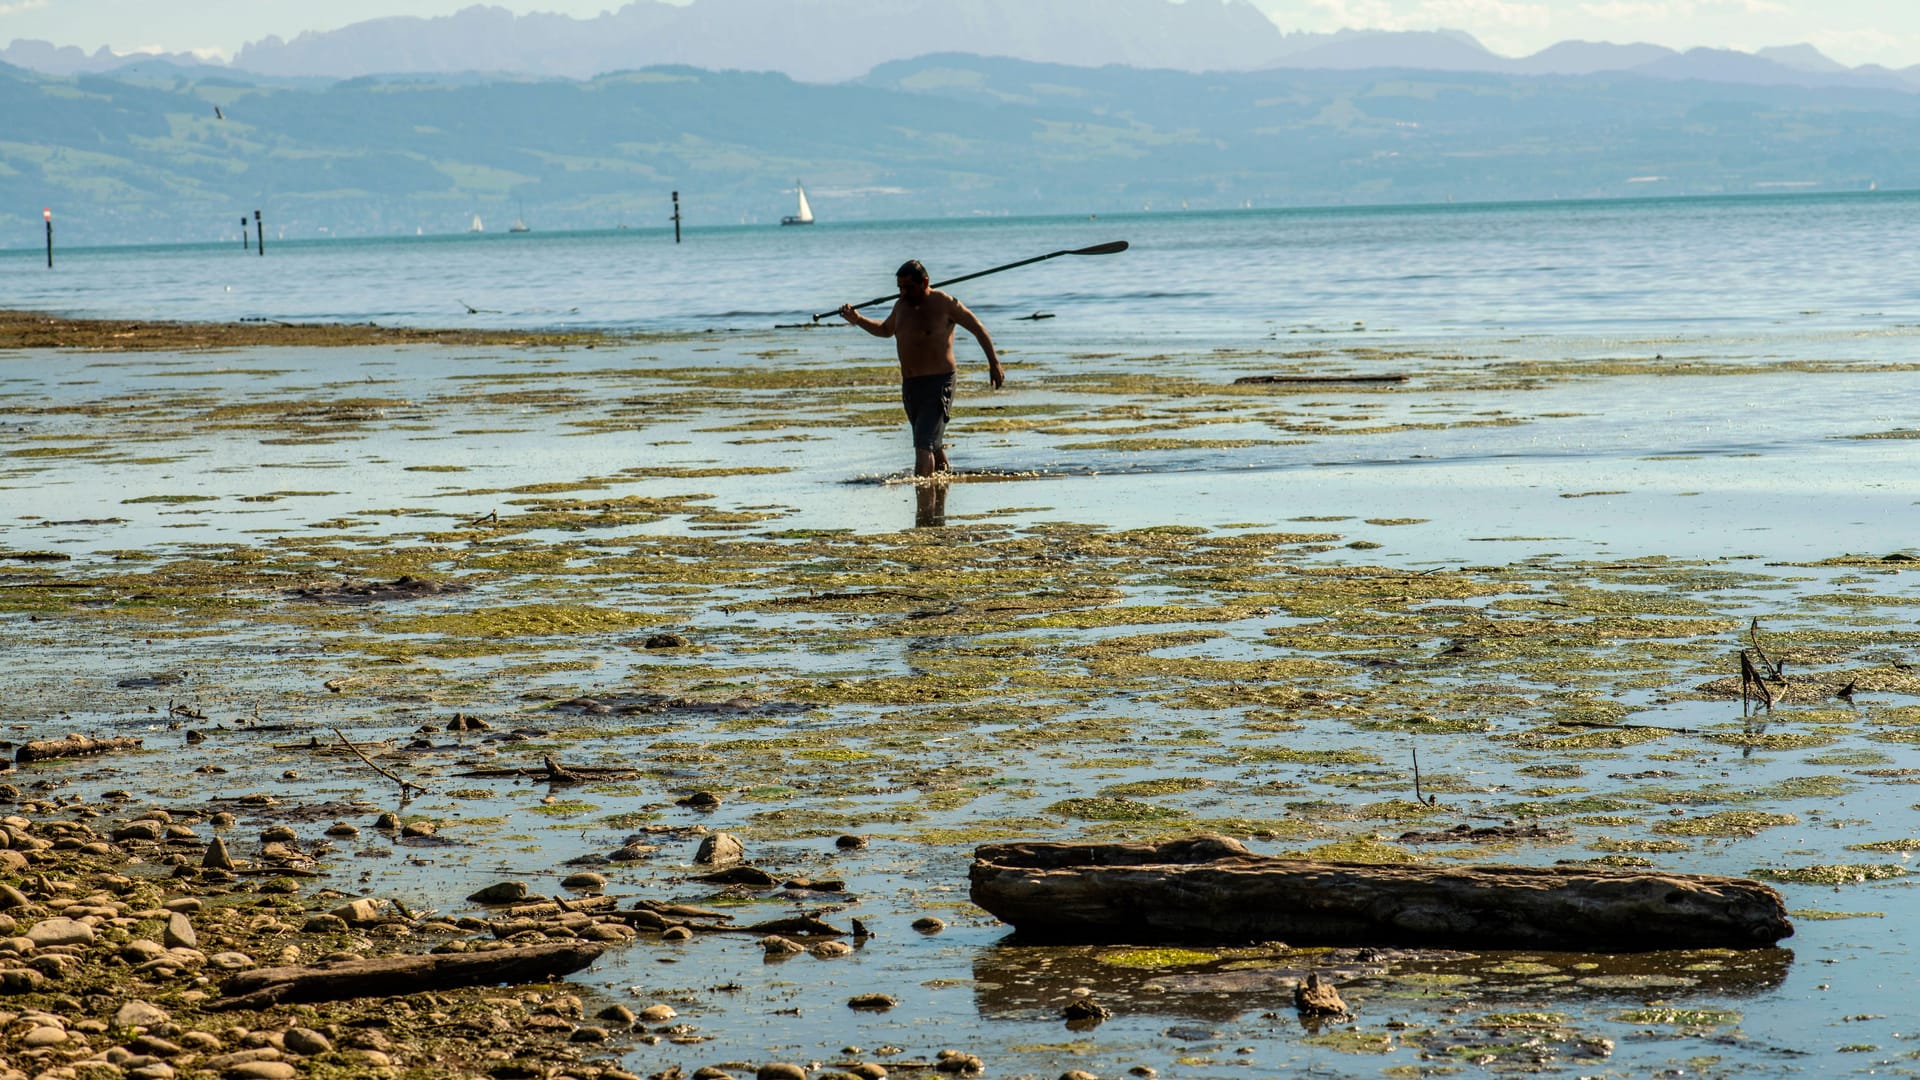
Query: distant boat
[520, 223]
[805, 216]
[476, 226]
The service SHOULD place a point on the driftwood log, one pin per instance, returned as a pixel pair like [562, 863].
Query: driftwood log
[397, 975]
[75, 745]
[1213, 888]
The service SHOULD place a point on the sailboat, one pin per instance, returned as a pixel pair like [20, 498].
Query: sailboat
[520, 223]
[476, 226]
[805, 216]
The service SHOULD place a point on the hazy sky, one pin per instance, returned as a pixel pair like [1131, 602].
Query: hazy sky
[1851, 31]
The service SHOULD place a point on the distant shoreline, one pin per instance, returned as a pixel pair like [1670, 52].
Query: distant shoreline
[33, 330]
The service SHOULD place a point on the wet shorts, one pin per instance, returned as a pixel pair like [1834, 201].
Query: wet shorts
[929, 403]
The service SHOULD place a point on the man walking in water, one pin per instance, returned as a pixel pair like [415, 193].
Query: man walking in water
[921, 326]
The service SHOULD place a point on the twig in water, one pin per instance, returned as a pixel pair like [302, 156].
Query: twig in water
[1417, 796]
[1750, 678]
[1773, 670]
[405, 785]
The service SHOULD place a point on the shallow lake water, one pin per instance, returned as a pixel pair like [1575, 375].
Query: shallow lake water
[1153, 602]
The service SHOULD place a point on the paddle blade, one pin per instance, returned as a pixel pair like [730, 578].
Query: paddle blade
[1113, 248]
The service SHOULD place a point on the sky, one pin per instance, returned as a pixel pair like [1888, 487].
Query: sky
[1851, 31]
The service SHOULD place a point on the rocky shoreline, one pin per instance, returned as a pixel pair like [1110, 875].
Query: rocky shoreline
[131, 945]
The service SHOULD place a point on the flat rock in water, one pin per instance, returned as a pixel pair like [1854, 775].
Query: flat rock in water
[504, 892]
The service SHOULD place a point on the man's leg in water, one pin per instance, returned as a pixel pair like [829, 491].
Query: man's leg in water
[924, 461]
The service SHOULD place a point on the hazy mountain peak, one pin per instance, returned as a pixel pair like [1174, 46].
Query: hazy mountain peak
[1801, 57]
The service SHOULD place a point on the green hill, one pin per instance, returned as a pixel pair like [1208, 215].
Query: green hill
[136, 160]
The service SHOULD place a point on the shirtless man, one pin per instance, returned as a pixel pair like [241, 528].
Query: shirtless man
[921, 326]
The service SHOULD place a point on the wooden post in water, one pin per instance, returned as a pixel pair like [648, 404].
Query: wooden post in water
[259, 232]
[48, 214]
[676, 217]
[244, 242]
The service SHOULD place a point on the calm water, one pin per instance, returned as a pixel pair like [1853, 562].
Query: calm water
[1769, 467]
[1709, 265]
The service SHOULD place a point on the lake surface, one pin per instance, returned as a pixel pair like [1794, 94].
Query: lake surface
[1700, 410]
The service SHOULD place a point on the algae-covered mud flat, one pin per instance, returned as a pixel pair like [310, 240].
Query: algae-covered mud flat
[1166, 602]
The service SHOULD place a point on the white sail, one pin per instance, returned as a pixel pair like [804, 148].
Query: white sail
[805, 216]
[476, 226]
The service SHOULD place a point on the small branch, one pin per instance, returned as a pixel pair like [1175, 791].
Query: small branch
[405, 785]
[1417, 797]
[1773, 669]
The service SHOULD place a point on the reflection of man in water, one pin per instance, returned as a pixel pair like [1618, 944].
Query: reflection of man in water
[921, 326]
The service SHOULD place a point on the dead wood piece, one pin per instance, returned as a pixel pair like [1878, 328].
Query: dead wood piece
[75, 745]
[394, 976]
[559, 906]
[558, 773]
[1315, 380]
[1090, 892]
[585, 772]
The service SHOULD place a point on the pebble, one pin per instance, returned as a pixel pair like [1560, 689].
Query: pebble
[179, 933]
[1077, 1074]
[829, 950]
[780, 1070]
[358, 912]
[868, 1070]
[584, 881]
[708, 1072]
[775, 945]
[929, 925]
[956, 1061]
[417, 828]
[138, 1013]
[261, 1070]
[676, 933]
[278, 834]
[341, 828]
[223, 820]
[387, 822]
[850, 842]
[588, 1033]
[657, 1014]
[11, 897]
[616, 1014]
[217, 857]
[871, 1002]
[700, 800]
[718, 848]
[51, 933]
[158, 1070]
[306, 1042]
[43, 1036]
[501, 892]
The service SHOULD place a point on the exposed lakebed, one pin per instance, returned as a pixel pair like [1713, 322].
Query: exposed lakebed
[1170, 604]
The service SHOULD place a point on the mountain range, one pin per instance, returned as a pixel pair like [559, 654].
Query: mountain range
[173, 154]
[826, 41]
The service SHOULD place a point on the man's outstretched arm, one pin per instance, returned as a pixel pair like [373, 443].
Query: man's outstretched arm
[877, 329]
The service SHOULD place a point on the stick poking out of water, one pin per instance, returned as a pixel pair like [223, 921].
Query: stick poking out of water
[405, 785]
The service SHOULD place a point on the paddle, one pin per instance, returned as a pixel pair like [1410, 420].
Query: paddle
[1113, 248]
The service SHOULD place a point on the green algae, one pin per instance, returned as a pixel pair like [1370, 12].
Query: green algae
[1685, 1018]
[1832, 875]
[1111, 809]
[1149, 959]
[1728, 823]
